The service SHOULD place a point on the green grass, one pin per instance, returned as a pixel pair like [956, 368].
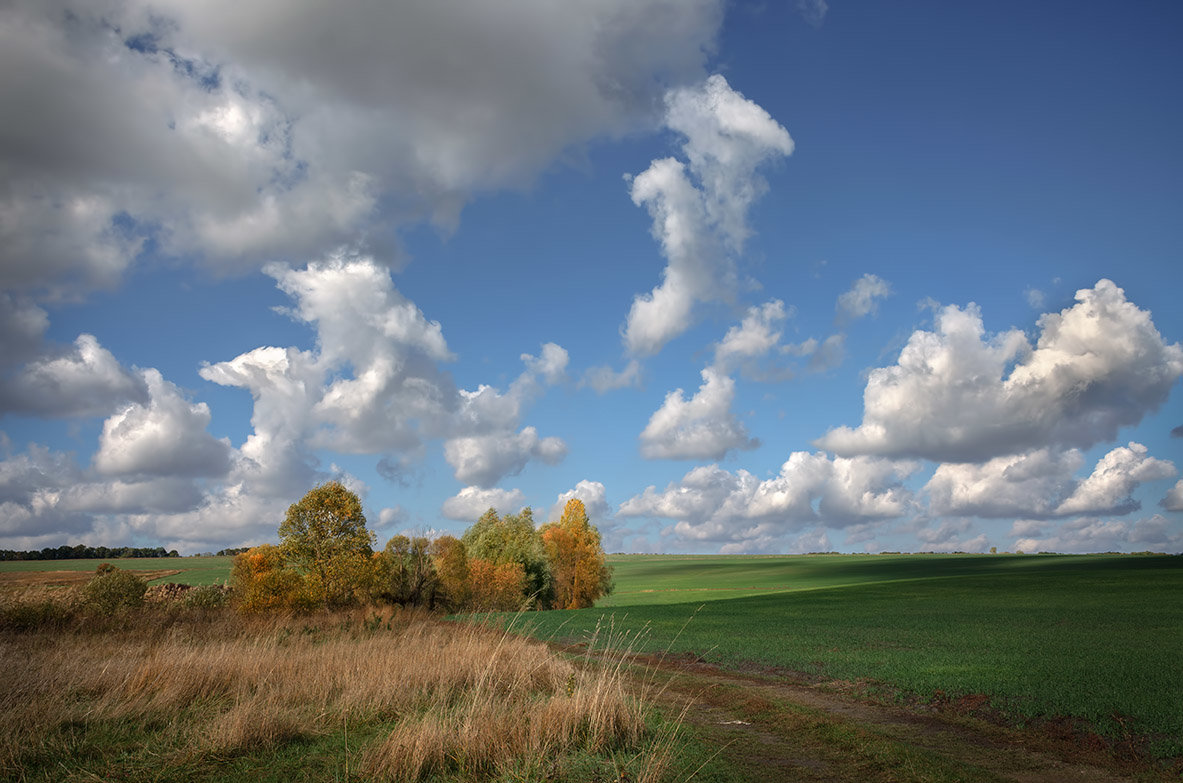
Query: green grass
[670, 579]
[1090, 637]
[194, 570]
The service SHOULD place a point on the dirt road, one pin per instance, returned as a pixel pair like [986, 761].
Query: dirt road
[771, 726]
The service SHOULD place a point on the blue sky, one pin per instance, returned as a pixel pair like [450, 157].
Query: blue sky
[744, 277]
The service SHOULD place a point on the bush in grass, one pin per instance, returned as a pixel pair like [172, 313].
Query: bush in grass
[263, 582]
[206, 597]
[34, 615]
[113, 589]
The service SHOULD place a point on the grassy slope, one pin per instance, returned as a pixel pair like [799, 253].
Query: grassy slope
[670, 579]
[194, 570]
[1094, 637]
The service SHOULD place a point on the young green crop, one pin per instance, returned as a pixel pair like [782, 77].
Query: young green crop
[1092, 637]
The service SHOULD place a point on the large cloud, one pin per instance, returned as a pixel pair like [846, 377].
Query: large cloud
[702, 427]
[957, 395]
[166, 437]
[1092, 534]
[1041, 484]
[81, 382]
[699, 207]
[710, 504]
[484, 460]
[374, 386]
[242, 132]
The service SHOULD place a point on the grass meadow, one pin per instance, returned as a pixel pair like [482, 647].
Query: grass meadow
[1094, 639]
[347, 696]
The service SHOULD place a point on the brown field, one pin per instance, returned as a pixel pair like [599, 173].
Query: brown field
[70, 578]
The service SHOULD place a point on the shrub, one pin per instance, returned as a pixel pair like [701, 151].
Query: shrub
[34, 615]
[263, 582]
[206, 597]
[112, 589]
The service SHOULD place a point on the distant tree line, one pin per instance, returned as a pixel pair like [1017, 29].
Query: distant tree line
[83, 552]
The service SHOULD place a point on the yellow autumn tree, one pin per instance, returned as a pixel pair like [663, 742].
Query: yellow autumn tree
[325, 536]
[496, 587]
[576, 559]
[264, 582]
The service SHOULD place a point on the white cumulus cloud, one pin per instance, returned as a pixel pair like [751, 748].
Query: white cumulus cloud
[594, 497]
[699, 206]
[1092, 534]
[469, 503]
[1108, 489]
[85, 381]
[959, 395]
[165, 437]
[710, 504]
[702, 427]
[1174, 498]
[1042, 483]
[483, 460]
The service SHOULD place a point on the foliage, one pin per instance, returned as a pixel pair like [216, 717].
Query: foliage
[497, 587]
[406, 574]
[112, 589]
[579, 571]
[328, 523]
[450, 561]
[84, 552]
[513, 539]
[263, 582]
[205, 597]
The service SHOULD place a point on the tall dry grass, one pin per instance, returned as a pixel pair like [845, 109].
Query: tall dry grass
[448, 698]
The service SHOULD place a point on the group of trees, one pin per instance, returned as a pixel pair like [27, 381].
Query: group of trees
[326, 558]
[83, 552]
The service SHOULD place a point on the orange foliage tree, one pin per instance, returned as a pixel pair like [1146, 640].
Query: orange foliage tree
[263, 582]
[576, 559]
[496, 587]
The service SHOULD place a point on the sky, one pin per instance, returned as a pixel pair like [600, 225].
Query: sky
[749, 277]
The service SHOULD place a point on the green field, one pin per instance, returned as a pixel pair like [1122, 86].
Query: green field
[194, 570]
[1096, 637]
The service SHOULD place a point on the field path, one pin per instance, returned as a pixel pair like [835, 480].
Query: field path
[770, 727]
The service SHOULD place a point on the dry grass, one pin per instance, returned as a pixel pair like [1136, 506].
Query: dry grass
[18, 579]
[439, 697]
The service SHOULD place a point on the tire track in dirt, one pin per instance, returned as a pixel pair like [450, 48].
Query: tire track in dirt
[774, 727]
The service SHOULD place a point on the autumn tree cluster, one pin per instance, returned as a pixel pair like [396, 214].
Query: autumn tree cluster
[327, 558]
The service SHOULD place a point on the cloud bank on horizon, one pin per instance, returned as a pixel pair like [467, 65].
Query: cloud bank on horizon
[393, 247]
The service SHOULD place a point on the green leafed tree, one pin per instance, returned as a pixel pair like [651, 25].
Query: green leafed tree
[407, 573]
[325, 534]
[513, 539]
